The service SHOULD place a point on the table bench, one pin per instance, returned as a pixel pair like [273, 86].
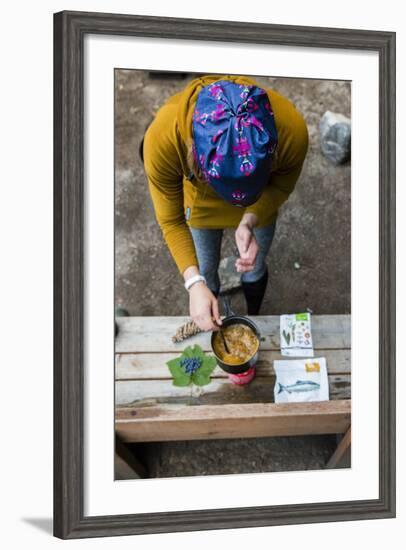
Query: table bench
[148, 407]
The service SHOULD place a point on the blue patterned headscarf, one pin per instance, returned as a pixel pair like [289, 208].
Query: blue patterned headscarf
[234, 136]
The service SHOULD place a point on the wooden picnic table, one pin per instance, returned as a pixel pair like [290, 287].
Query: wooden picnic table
[148, 407]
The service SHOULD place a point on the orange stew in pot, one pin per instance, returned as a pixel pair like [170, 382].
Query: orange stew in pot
[241, 341]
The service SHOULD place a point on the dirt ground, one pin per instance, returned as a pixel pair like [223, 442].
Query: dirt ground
[309, 262]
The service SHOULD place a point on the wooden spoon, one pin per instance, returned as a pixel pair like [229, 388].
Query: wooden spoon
[223, 338]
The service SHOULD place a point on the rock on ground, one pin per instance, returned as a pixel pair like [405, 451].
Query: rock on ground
[335, 137]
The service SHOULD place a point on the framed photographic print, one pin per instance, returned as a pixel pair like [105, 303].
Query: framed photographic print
[224, 268]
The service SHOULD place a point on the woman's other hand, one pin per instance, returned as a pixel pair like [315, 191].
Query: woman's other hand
[246, 243]
[204, 307]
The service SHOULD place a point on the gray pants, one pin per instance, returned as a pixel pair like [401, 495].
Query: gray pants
[208, 246]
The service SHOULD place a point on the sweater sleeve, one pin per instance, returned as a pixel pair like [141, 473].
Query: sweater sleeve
[165, 182]
[283, 180]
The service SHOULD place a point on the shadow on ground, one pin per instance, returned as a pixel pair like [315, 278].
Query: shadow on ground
[230, 456]
[43, 524]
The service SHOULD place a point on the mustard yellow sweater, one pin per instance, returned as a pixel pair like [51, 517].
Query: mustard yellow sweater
[178, 201]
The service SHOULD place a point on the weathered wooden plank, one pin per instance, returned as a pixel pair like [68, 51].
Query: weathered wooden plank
[151, 334]
[171, 423]
[342, 455]
[143, 366]
[126, 465]
[122, 470]
[219, 391]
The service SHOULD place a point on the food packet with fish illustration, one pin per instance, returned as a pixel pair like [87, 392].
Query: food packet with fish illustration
[300, 380]
[296, 335]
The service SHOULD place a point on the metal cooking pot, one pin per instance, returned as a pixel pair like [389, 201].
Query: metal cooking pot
[232, 319]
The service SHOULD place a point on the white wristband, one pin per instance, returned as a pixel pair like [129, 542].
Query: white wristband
[195, 279]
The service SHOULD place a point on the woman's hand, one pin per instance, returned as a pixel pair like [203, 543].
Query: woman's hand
[204, 307]
[246, 243]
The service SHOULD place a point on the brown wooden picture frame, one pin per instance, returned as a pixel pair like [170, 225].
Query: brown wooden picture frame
[70, 29]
